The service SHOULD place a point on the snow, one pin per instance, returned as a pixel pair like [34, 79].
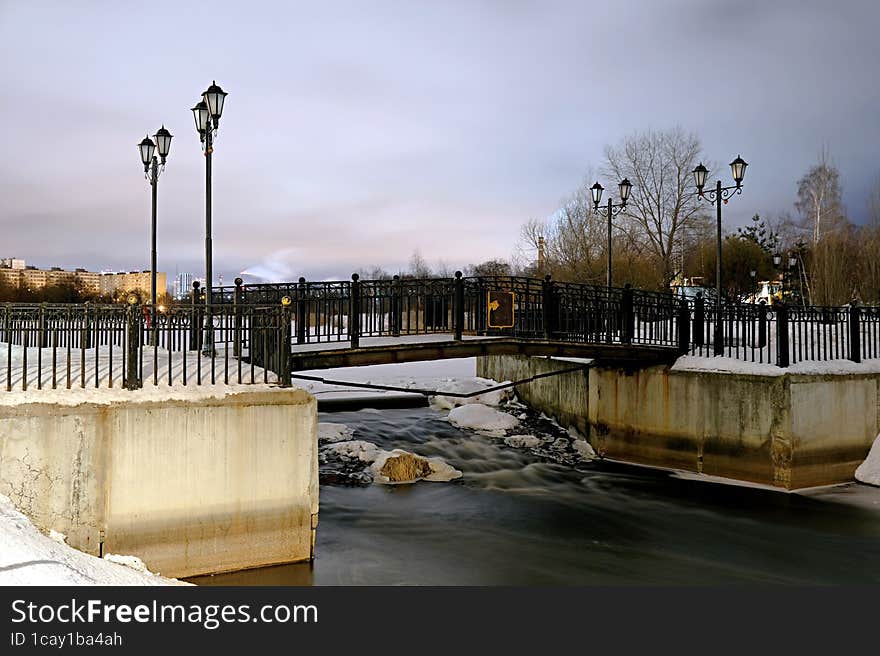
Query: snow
[477, 416]
[103, 395]
[732, 365]
[469, 386]
[523, 441]
[132, 562]
[366, 452]
[330, 432]
[869, 471]
[560, 444]
[584, 449]
[430, 375]
[27, 557]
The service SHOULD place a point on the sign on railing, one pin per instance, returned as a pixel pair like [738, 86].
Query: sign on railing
[500, 307]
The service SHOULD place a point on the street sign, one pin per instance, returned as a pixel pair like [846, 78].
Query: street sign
[500, 306]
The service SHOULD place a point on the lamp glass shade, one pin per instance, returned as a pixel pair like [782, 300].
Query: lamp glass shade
[792, 262]
[163, 142]
[625, 187]
[597, 190]
[700, 173]
[200, 114]
[147, 148]
[738, 169]
[215, 96]
[777, 259]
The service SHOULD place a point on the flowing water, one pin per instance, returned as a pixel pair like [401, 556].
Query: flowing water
[519, 517]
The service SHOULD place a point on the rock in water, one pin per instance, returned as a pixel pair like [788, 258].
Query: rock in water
[404, 468]
[400, 466]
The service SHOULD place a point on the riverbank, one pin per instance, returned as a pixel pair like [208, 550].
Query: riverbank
[28, 557]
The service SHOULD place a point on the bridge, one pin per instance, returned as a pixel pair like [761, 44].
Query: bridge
[268, 332]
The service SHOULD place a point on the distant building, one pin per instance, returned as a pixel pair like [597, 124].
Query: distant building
[15, 273]
[182, 285]
[12, 263]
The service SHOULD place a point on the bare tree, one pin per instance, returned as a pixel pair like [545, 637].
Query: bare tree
[869, 247]
[819, 200]
[662, 205]
[418, 267]
[831, 276]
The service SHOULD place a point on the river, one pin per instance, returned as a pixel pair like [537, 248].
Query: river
[517, 517]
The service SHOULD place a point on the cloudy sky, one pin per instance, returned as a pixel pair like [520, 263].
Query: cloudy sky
[356, 133]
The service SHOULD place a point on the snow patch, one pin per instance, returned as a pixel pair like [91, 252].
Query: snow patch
[469, 386]
[523, 441]
[58, 537]
[27, 557]
[132, 562]
[584, 449]
[477, 416]
[356, 450]
[561, 444]
[869, 471]
[330, 432]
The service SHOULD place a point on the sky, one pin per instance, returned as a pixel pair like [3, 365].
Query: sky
[356, 133]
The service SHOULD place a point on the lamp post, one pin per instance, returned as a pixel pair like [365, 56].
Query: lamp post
[789, 265]
[754, 276]
[151, 163]
[609, 211]
[207, 114]
[716, 197]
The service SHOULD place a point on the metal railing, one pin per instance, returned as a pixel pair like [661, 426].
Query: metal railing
[85, 345]
[254, 328]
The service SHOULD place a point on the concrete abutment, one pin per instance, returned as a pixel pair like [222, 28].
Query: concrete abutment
[199, 482]
[789, 430]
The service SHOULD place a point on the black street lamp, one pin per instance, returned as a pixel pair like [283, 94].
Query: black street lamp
[207, 114]
[716, 197]
[790, 265]
[609, 211]
[148, 148]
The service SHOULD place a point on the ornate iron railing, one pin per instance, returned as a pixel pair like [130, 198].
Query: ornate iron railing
[246, 335]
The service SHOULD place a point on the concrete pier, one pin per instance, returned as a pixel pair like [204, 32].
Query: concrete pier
[788, 430]
[191, 480]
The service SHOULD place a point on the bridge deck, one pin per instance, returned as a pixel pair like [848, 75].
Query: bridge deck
[441, 347]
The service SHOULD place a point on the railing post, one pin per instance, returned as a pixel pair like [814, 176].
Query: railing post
[684, 326]
[395, 306]
[699, 320]
[354, 312]
[782, 358]
[762, 324]
[43, 338]
[87, 328]
[237, 299]
[458, 306]
[855, 332]
[628, 315]
[195, 328]
[302, 318]
[284, 377]
[133, 320]
[548, 307]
